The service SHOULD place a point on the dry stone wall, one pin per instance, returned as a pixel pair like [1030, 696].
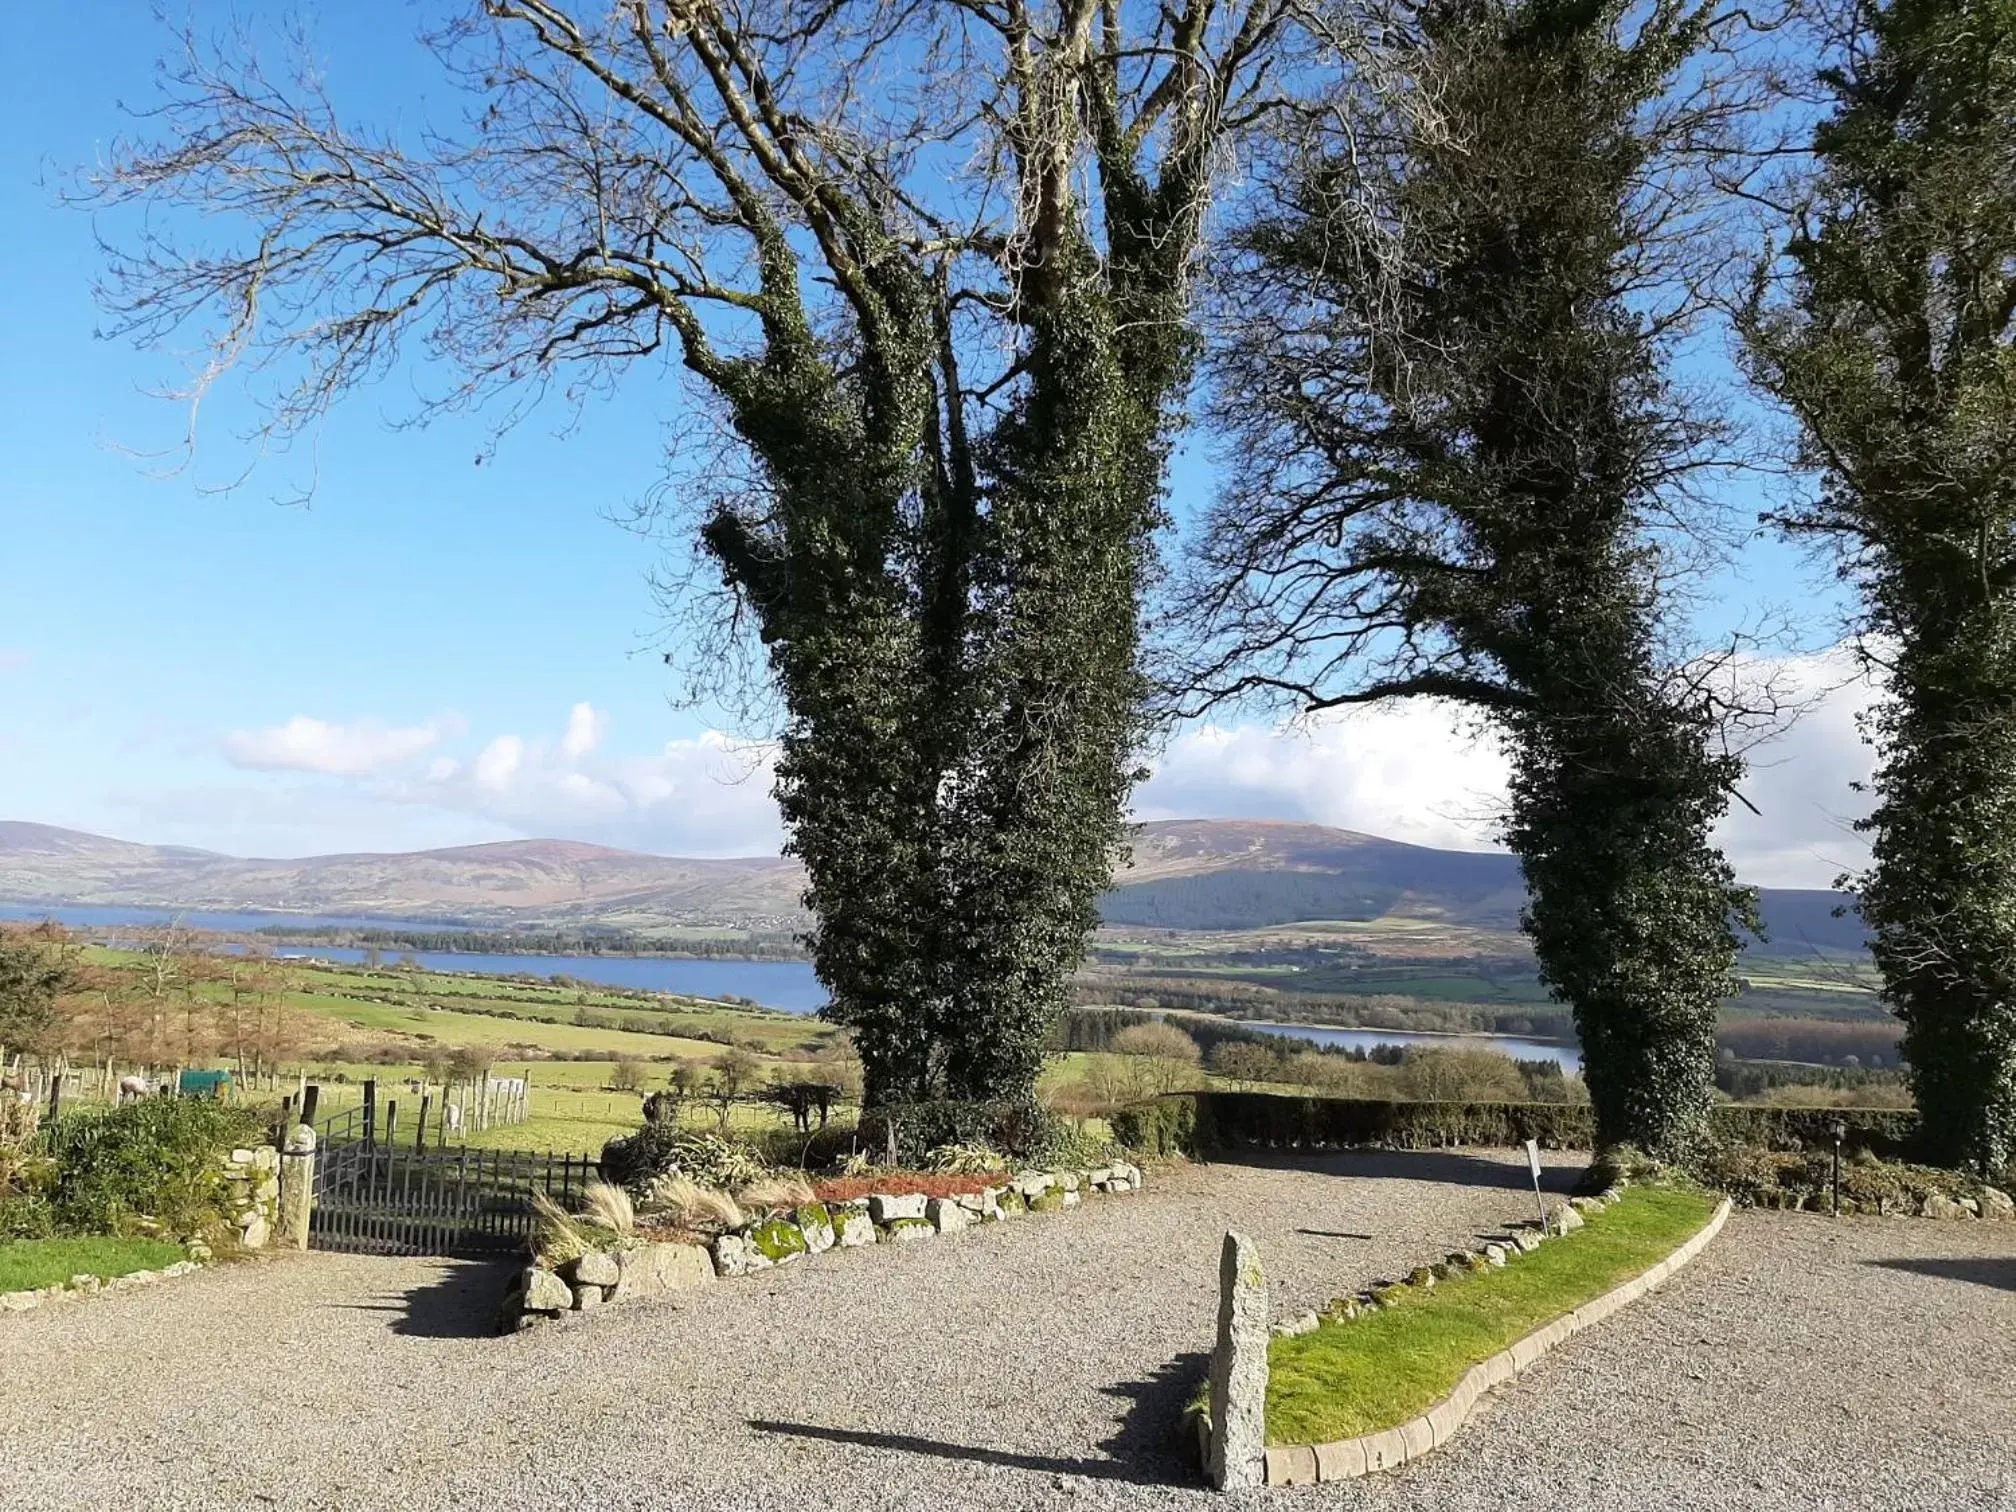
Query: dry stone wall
[641, 1267]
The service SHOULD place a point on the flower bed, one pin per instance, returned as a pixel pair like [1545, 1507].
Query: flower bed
[921, 1184]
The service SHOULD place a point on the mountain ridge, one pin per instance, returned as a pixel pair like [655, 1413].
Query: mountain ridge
[1199, 874]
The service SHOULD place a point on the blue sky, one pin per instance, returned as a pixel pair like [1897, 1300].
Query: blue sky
[435, 652]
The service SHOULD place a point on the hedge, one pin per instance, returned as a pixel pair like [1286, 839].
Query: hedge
[1208, 1122]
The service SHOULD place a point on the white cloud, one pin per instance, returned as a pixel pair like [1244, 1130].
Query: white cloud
[1411, 772]
[304, 744]
[1418, 772]
[498, 764]
[704, 795]
[586, 725]
[1802, 834]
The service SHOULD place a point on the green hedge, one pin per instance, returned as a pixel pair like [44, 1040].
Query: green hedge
[154, 1161]
[1208, 1122]
[1019, 1129]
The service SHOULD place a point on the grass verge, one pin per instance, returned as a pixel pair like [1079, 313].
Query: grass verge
[28, 1264]
[1379, 1370]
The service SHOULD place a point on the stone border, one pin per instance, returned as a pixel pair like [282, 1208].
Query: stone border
[1346, 1459]
[90, 1286]
[644, 1268]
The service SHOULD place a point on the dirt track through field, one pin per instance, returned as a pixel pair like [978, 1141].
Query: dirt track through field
[1041, 1363]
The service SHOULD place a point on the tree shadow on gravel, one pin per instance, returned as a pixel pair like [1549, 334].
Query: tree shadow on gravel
[1148, 1449]
[1447, 1167]
[460, 1303]
[1996, 1271]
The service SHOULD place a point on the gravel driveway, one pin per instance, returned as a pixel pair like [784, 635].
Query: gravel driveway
[1035, 1364]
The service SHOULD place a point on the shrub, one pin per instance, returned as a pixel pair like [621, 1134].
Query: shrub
[26, 1215]
[1069, 1147]
[1776, 1178]
[691, 1205]
[158, 1158]
[608, 1207]
[900, 1184]
[634, 1161]
[1159, 1130]
[776, 1193]
[1198, 1123]
[966, 1160]
[912, 1130]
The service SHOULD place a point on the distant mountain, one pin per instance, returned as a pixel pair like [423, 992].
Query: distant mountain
[1251, 874]
[1247, 874]
[1184, 874]
[516, 881]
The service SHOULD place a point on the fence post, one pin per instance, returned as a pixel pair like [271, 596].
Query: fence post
[297, 1187]
[420, 1132]
[309, 1098]
[370, 1109]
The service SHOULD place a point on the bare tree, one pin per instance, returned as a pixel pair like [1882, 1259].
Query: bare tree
[1468, 474]
[927, 266]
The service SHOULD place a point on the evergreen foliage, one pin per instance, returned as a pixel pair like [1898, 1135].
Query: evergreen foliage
[1460, 440]
[944, 324]
[1893, 348]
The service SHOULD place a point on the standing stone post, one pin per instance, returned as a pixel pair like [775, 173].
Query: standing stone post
[1239, 1370]
[297, 1187]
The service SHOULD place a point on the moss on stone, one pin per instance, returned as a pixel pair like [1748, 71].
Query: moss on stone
[776, 1239]
[1047, 1202]
[907, 1230]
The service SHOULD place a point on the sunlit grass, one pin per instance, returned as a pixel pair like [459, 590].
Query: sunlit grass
[1381, 1369]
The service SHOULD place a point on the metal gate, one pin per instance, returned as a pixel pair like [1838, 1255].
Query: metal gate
[375, 1198]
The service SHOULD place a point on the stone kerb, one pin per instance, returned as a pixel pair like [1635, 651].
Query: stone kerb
[1346, 1459]
[91, 1286]
[537, 1295]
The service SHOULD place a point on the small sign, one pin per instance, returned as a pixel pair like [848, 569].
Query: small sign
[1533, 1160]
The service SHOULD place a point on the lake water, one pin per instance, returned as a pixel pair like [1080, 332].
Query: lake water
[788, 985]
[1568, 1056]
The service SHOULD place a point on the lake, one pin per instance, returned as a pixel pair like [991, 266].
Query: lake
[787, 985]
[1568, 1056]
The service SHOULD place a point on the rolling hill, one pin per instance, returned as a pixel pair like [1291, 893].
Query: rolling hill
[1188, 874]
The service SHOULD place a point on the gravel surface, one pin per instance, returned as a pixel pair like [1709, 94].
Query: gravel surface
[1799, 1362]
[1041, 1363]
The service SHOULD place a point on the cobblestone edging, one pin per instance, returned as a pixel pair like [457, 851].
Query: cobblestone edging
[89, 1286]
[538, 1295]
[1346, 1459]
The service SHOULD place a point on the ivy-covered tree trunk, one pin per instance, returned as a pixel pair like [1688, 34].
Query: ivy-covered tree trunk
[945, 320]
[1895, 347]
[1631, 903]
[1458, 431]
